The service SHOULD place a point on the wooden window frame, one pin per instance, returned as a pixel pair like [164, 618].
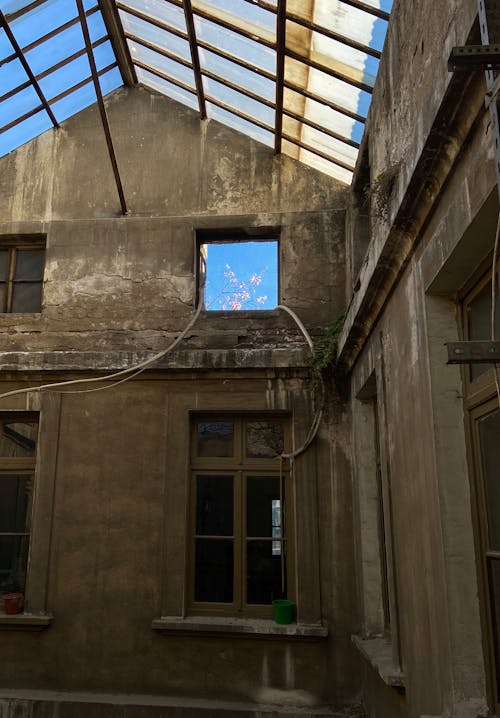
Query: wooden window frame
[480, 400]
[240, 467]
[476, 390]
[13, 245]
[21, 466]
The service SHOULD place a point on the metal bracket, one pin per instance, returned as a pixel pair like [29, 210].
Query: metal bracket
[474, 57]
[478, 352]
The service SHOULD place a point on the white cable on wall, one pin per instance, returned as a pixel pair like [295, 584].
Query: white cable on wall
[319, 413]
[137, 369]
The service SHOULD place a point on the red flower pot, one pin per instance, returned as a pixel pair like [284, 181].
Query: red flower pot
[13, 603]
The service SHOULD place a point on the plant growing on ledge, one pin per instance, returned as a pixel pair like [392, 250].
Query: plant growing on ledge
[325, 349]
[380, 190]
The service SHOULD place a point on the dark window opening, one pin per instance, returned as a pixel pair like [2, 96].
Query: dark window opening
[240, 515]
[22, 263]
[18, 438]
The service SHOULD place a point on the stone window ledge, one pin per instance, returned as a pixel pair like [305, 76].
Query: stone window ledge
[378, 653]
[24, 621]
[244, 627]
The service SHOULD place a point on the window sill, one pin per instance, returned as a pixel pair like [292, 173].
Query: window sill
[24, 621]
[378, 653]
[243, 627]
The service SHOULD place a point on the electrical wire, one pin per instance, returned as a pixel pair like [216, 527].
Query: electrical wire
[133, 371]
[313, 430]
[493, 301]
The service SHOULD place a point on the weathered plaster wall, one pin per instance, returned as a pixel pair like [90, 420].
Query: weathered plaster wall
[171, 165]
[113, 474]
[128, 282]
[431, 127]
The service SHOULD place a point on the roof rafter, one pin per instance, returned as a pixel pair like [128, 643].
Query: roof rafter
[114, 27]
[280, 73]
[191, 31]
[100, 102]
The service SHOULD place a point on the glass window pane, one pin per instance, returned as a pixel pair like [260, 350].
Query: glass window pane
[167, 88]
[232, 42]
[18, 438]
[214, 505]
[214, 571]
[264, 439]
[489, 433]
[12, 75]
[240, 102]
[29, 263]
[264, 576]
[244, 126]
[215, 438]
[13, 563]
[157, 36]
[262, 493]
[18, 105]
[85, 96]
[15, 496]
[243, 13]
[159, 10]
[479, 324]
[238, 75]
[4, 264]
[494, 576]
[162, 64]
[27, 298]
[3, 297]
[21, 133]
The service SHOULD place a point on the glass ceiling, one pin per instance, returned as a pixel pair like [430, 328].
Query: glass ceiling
[296, 75]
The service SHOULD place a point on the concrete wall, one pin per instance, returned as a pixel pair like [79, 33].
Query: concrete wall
[109, 538]
[429, 131]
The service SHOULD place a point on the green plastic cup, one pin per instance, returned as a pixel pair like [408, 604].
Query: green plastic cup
[283, 610]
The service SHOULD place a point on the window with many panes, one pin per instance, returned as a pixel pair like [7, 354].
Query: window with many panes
[483, 418]
[18, 441]
[240, 515]
[22, 262]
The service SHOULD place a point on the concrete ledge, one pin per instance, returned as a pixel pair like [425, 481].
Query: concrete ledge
[378, 653]
[24, 621]
[249, 627]
[26, 703]
[198, 359]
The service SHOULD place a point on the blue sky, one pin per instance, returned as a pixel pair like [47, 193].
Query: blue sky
[237, 269]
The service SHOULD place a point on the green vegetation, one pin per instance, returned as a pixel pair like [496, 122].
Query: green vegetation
[325, 348]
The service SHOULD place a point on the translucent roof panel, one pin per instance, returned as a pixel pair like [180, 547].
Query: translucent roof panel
[295, 75]
[45, 74]
[298, 79]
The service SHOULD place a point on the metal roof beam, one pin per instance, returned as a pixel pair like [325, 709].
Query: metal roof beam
[118, 42]
[198, 80]
[280, 73]
[100, 102]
